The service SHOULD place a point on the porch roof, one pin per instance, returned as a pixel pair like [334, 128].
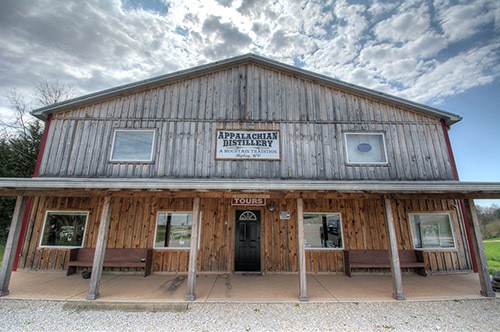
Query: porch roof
[44, 186]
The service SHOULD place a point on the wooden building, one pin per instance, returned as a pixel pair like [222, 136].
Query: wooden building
[243, 165]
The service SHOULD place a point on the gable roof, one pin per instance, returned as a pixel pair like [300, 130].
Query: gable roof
[42, 113]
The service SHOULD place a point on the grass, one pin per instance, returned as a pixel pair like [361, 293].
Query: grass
[492, 251]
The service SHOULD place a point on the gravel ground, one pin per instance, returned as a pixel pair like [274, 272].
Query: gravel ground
[462, 315]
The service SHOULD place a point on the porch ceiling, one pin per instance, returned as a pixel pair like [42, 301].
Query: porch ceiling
[201, 187]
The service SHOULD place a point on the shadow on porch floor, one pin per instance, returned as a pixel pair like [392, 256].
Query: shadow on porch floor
[158, 287]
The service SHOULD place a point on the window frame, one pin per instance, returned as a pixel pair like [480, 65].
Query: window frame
[341, 230]
[87, 214]
[384, 147]
[176, 248]
[153, 144]
[450, 220]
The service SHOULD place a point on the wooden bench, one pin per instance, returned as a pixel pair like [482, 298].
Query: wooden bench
[126, 257]
[377, 259]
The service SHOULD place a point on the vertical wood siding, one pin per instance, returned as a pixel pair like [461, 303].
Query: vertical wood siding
[363, 222]
[133, 221]
[185, 115]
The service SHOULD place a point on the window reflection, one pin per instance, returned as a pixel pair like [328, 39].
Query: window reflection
[323, 230]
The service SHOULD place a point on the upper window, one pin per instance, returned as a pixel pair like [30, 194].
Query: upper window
[64, 229]
[323, 230]
[132, 145]
[431, 231]
[173, 230]
[365, 148]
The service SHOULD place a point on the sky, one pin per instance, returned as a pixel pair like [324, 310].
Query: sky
[441, 53]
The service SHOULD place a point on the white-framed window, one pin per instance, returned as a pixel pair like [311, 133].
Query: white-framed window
[173, 230]
[432, 230]
[365, 148]
[64, 229]
[133, 145]
[323, 231]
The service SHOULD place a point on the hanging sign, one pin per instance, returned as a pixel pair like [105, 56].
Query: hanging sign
[248, 201]
[248, 144]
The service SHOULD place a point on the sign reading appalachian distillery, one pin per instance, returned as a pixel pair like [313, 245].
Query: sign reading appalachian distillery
[248, 144]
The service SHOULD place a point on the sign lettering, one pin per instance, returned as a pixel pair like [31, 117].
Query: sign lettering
[246, 144]
[248, 201]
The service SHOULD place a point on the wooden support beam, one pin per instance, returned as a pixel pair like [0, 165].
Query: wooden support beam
[193, 252]
[100, 250]
[477, 246]
[397, 280]
[301, 251]
[9, 255]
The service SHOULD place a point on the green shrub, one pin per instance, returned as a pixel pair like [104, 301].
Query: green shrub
[2, 247]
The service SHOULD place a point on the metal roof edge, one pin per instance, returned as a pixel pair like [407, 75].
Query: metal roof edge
[42, 112]
[198, 184]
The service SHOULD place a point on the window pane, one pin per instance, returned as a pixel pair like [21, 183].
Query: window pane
[133, 145]
[322, 231]
[161, 231]
[365, 148]
[65, 229]
[432, 230]
[173, 229]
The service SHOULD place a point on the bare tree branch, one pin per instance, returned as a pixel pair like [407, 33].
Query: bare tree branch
[21, 109]
[52, 92]
[46, 93]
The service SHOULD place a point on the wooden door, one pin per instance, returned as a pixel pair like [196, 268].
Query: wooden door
[247, 241]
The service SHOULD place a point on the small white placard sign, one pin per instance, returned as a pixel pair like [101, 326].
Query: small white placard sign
[284, 215]
[248, 144]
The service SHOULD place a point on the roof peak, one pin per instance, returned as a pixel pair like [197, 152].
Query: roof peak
[43, 112]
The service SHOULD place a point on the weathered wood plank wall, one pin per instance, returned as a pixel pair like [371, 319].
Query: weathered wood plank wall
[312, 119]
[364, 227]
[133, 226]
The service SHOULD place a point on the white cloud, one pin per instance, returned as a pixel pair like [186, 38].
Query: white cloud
[426, 46]
[455, 75]
[463, 21]
[413, 48]
[222, 39]
[404, 26]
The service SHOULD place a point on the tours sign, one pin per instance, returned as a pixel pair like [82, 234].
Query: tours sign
[248, 201]
[248, 144]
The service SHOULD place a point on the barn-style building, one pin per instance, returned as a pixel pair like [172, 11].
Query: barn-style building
[247, 165]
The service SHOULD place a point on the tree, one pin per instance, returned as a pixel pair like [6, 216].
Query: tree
[489, 220]
[21, 137]
[19, 156]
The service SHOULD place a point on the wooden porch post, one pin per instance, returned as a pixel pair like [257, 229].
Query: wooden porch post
[100, 250]
[477, 246]
[193, 252]
[301, 251]
[9, 255]
[397, 280]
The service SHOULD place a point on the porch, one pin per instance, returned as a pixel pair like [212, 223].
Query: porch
[103, 198]
[127, 287]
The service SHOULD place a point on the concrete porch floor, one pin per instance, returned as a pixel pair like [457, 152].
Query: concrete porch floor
[159, 287]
